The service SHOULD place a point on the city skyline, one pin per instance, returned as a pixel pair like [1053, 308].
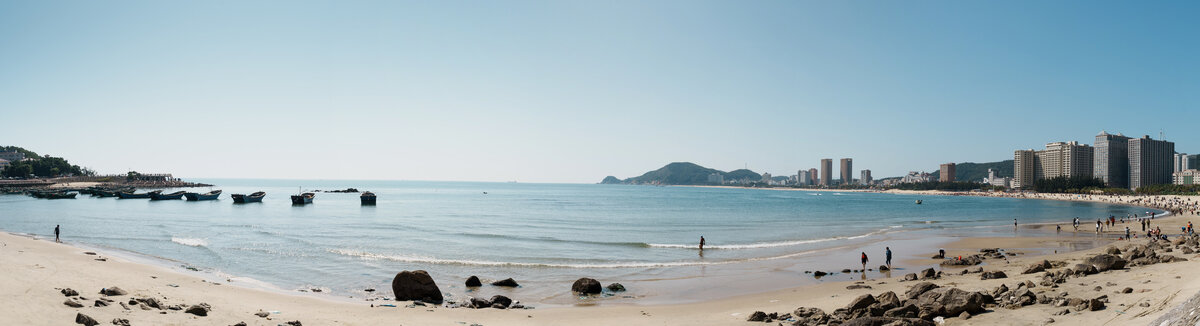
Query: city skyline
[573, 92]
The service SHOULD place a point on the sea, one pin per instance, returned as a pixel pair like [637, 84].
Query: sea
[545, 236]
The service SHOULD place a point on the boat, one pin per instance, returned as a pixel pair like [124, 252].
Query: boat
[59, 195]
[368, 198]
[301, 199]
[171, 196]
[918, 201]
[251, 198]
[211, 195]
[132, 195]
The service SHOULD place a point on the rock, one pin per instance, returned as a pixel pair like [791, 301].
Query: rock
[888, 300]
[85, 320]
[757, 316]
[858, 286]
[123, 305]
[953, 301]
[616, 287]
[965, 315]
[262, 314]
[240, 323]
[1113, 251]
[478, 303]
[149, 302]
[1062, 312]
[473, 281]
[125, 322]
[1144, 304]
[910, 277]
[846, 270]
[819, 273]
[294, 323]
[938, 256]
[1127, 290]
[1034, 269]
[908, 311]
[503, 301]
[884, 268]
[69, 292]
[1106, 262]
[199, 309]
[918, 289]
[1048, 321]
[100, 303]
[1097, 288]
[862, 302]
[416, 286]
[586, 286]
[73, 303]
[971, 260]
[927, 273]
[1094, 305]
[113, 291]
[1084, 269]
[508, 282]
[889, 321]
[992, 275]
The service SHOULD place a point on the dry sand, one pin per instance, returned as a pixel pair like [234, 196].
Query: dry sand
[35, 270]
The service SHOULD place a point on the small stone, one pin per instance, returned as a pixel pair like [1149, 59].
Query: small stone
[85, 320]
[120, 322]
[1127, 290]
[69, 292]
[616, 287]
[113, 291]
[294, 323]
[757, 316]
[262, 314]
[100, 303]
[199, 310]
[73, 303]
[1049, 321]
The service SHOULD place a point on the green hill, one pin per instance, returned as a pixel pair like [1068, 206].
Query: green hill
[683, 173]
[40, 166]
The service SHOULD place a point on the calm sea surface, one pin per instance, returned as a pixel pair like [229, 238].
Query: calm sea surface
[544, 235]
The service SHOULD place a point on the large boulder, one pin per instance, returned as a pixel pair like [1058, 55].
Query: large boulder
[888, 321]
[908, 311]
[1106, 262]
[888, 300]
[1084, 269]
[862, 302]
[473, 282]
[416, 286]
[919, 288]
[952, 300]
[586, 286]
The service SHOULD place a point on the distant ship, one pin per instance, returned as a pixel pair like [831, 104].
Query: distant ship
[368, 198]
[301, 199]
[252, 198]
[211, 195]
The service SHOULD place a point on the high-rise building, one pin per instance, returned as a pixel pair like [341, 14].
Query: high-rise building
[946, 173]
[847, 171]
[865, 179]
[716, 178]
[1183, 162]
[1112, 159]
[826, 171]
[803, 178]
[812, 176]
[1059, 159]
[1150, 161]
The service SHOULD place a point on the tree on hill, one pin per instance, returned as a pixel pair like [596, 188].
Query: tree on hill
[40, 166]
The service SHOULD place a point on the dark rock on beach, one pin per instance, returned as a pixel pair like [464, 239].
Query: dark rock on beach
[473, 282]
[199, 310]
[991, 275]
[616, 287]
[69, 292]
[85, 320]
[113, 291]
[417, 286]
[502, 301]
[73, 303]
[819, 274]
[1106, 262]
[508, 282]
[918, 289]
[888, 321]
[586, 286]
[122, 322]
[262, 314]
[757, 316]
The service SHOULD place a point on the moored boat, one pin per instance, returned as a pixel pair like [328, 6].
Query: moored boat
[132, 195]
[171, 196]
[368, 198]
[59, 195]
[211, 195]
[251, 198]
[301, 199]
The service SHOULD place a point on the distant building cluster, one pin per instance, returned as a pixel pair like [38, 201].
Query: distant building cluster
[1059, 159]
[1185, 169]
[7, 157]
[1119, 161]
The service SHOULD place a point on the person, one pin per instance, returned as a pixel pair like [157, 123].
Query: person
[888, 256]
[1014, 222]
[701, 243]
[1126, 233]
[1058, 228]
[864, 260]
[56, 230]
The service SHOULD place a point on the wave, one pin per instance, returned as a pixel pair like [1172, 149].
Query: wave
[467, 262]
[190, 242]
[553, 239]
[760, 245]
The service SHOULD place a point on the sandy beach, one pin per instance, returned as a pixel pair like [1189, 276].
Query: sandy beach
[38, 269]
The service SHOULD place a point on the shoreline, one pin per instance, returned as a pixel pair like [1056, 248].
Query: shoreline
[702, 312]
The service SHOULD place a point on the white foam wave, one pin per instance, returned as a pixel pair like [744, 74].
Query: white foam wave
[190, 241]
[440, 261]
[760, 245]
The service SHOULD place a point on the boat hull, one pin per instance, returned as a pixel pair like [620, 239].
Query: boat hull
[251, 198]
[171, 196]
[303, 199]
[212, 195]
[130, 195]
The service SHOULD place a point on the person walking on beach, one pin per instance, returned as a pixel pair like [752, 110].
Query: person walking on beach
[864, 260]
[1127, 233]
[701, 243]
[56, 233]
[887, 256]
[1014, 222]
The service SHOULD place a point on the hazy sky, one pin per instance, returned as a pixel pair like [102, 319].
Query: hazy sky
[572, 91]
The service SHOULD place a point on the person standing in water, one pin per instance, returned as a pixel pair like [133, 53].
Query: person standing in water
[864, 260]
[701, 243]
[56, 233]
[887, 257]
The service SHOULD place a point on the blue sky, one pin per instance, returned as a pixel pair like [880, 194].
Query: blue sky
[572, 91]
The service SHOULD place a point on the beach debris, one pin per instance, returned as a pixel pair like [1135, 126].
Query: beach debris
[615, 287]
[508, 282]
[201, 309]
[73, 303]
[586, 286]
[416, 285]
[992, 275]
[69, 292]
[370, 290]
[113, 291]
[85, 320]
[120, 322]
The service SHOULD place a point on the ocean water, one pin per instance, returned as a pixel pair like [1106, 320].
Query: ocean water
[543, 235]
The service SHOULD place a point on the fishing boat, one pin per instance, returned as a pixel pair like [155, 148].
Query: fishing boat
[132, 195]
[301, 199]
[368, 198]
[171, 196]
[211, 195]
[251, 198]
[59, 195]
[918, 201]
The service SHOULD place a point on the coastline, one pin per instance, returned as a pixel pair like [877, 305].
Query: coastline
[39, 266]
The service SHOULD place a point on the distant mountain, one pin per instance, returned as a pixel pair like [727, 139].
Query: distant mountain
[683, 173]
[975, 172]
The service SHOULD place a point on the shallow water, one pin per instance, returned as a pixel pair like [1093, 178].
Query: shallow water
[543, 235]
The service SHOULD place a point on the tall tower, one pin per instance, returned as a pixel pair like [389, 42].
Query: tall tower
[946, 173]
[1150, 161]
[847, 171]
[1111, 159]
[826, 171]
